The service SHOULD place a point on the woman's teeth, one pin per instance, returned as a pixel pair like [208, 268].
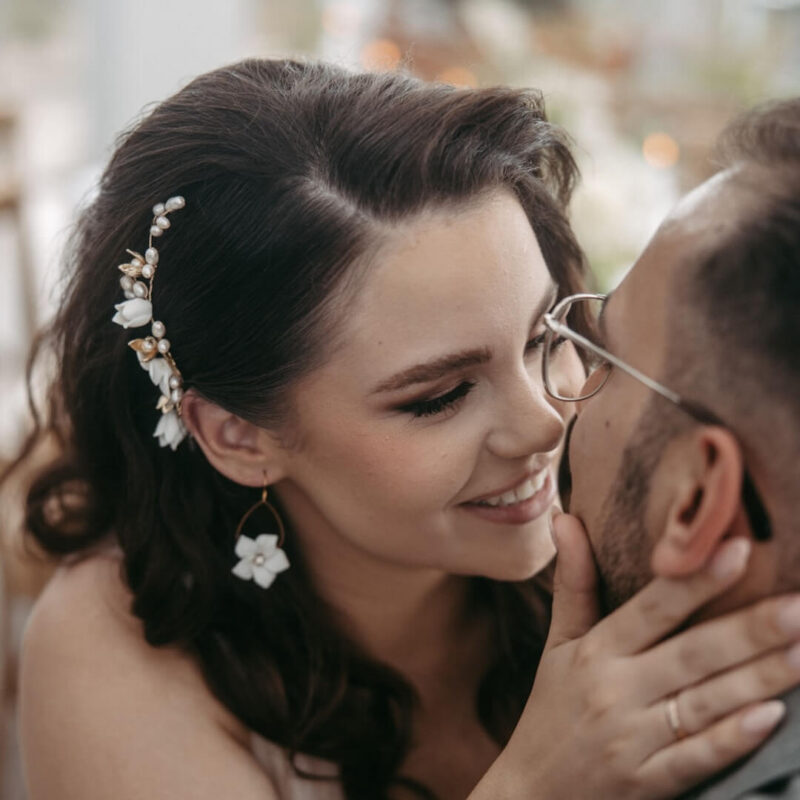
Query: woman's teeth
[524, 491]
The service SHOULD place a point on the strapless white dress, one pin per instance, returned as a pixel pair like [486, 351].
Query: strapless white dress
[290, 786]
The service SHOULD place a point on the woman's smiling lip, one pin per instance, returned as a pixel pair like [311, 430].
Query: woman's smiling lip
[528, 476]
[517, 513]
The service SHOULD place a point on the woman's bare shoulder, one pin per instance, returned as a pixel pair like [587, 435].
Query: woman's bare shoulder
[104, 714]
[83, 622]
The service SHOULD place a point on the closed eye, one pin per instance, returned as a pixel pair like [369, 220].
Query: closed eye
[537, 342]
[436, 405]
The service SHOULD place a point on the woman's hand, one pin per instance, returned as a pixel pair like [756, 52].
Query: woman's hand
[619, 711]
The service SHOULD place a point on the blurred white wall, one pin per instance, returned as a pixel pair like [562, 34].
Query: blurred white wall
[72, 87]
[141, 51]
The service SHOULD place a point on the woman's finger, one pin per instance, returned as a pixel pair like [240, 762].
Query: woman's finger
[698, 707]
[719, 644]
[766, 677]
[689, 761]
[665, 603]
[575, 608]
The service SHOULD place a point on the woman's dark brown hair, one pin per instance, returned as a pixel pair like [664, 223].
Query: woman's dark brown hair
[289, 170]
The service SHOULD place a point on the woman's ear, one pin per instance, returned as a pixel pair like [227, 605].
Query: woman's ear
[706, 498]
[240, 450]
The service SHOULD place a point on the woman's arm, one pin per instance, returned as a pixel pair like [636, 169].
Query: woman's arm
[596, 723]
[104, 715]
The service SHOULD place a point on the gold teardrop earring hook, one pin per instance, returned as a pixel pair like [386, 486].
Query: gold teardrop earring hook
[263, 502]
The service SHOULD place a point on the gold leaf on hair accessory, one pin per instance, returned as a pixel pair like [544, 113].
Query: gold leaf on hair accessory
[146, 348]
[153, 351]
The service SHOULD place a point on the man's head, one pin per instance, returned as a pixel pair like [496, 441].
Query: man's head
[712, 311]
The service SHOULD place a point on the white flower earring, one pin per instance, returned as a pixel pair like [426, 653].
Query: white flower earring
[260, 559]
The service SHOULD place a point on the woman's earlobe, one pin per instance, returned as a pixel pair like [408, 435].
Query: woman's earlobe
[706, 498]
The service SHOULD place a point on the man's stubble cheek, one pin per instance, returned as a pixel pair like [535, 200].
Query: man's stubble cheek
[623, 541]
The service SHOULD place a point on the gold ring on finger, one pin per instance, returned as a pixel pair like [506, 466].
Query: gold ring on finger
[674, 718]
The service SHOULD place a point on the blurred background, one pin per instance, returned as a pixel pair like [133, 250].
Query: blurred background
[643, 87]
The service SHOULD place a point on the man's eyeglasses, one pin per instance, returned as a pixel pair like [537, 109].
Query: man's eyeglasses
[598, 363]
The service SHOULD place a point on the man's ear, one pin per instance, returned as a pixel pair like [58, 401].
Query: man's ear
[241, 451]
[705, 501]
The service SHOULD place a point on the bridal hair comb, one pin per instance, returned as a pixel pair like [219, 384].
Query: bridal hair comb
[153, 351]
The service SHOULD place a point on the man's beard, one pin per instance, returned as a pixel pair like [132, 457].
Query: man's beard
[623, 543]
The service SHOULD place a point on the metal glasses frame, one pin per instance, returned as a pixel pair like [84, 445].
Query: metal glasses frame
[555, 327]
[754, 506]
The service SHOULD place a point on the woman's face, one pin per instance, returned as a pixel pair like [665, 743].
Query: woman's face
[427, 440]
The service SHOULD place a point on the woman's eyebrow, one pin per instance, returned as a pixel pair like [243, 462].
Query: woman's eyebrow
[432, 370]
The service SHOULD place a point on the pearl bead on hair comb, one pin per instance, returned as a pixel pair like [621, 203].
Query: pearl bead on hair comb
[153, 351]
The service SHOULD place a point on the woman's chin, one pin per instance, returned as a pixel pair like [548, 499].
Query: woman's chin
[522, 563]
[538, 560]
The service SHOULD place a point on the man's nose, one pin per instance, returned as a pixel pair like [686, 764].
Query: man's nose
[527, 421]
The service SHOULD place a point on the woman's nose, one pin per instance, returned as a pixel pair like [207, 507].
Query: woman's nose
[527, 421]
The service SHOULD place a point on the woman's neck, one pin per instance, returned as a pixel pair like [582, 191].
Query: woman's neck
[412, 622]
[420, 621]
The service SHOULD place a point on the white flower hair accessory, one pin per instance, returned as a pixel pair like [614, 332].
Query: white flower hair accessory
[153, 351]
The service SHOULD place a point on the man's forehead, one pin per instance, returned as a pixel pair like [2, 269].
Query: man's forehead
[709, 200]
[693, 228]
[638, 302]
[633, 318]
[715, 209]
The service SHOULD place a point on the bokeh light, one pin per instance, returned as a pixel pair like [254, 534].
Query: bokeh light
[458, 76]
[660, 150]
[381, 55]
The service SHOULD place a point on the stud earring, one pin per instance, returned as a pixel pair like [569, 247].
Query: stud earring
[260, 559]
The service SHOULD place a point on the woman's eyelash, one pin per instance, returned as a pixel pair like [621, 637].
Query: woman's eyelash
[538, 342]
[427, 408]
[436, 405]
